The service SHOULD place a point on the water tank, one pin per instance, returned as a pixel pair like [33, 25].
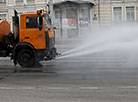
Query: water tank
[4, 28]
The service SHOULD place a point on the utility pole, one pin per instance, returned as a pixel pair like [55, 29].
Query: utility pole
[51, 10]
[99, 16]
[25, 2]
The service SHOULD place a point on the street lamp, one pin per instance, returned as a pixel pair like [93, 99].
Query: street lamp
[51, 10]
[99, 18]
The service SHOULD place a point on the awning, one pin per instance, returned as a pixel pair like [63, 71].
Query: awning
[76, 1]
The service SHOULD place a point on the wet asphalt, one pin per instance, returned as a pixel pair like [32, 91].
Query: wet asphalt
[101, 77]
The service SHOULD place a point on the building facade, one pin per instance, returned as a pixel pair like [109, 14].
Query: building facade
[74, 17]
[115, 12]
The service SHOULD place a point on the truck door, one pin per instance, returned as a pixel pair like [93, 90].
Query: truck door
[33, 33]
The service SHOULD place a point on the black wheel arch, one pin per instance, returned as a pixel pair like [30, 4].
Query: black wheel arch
[20, 46]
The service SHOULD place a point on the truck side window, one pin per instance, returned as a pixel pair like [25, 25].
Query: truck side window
[32, 22]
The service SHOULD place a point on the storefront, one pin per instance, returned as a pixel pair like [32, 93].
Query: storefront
[72, 18]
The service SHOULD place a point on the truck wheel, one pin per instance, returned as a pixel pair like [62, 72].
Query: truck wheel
[26, 58]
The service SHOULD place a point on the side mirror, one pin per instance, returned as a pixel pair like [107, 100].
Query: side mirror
[40, 23]
[40, 27]
[49, 28]
[54, 28]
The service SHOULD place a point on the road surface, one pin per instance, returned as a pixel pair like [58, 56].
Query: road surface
[102, 77]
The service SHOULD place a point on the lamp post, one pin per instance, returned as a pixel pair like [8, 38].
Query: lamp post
[99, 16]
[51, 10]
[25, 2]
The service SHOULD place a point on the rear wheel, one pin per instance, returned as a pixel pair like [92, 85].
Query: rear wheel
[26, 58]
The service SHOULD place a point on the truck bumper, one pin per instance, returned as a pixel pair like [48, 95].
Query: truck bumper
[46, 54]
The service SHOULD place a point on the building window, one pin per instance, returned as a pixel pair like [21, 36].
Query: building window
[116, 0]
[19, 0]
[71, 13]
[2, 1]
[3, 16]
[57, 14]
[30, 0]
[57, 17]
[84, 18]
[130, 13]
[84, 13]
[117, 14]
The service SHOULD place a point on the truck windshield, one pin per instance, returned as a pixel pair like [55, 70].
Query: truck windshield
[47, 21]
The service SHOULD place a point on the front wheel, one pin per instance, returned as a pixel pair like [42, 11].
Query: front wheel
[26, 58]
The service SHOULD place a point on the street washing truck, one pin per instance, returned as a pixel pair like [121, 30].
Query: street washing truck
[32, 38]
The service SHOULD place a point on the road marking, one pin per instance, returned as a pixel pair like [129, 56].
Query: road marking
[128, 87]
[14, 88]
[6, 88]
[28, 88]
[62, 88]
[89, 88]
[58, 88]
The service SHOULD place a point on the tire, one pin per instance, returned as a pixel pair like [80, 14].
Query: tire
[26, 58]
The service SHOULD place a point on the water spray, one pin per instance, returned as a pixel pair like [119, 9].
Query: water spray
[118, 37]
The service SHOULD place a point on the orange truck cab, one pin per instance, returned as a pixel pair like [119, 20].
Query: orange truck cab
[35, 39]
